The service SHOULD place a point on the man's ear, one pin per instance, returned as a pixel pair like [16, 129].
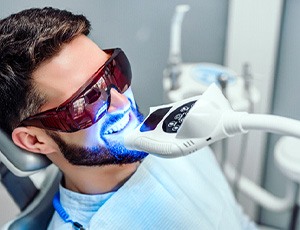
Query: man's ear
[32, 140]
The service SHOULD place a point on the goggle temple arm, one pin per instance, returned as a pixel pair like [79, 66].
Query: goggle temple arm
[55, 121]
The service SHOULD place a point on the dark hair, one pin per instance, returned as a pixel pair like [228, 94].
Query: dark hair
[27, 39]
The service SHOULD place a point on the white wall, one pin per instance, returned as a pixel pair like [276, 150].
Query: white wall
[253, 36]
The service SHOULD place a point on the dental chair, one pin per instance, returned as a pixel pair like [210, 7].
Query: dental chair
[31, 180]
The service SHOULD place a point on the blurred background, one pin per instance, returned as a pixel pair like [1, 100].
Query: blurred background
[262, 33]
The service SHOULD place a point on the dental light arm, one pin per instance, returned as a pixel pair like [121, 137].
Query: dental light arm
[272, 124]
[175, 44]
[173, 69]
[183, 127]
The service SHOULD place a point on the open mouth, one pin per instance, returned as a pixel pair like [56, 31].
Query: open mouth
[119, 125]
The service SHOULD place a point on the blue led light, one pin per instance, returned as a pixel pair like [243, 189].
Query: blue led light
[116, 147]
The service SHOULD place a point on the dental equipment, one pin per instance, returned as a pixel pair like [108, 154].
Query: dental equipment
[181, 128]
[247, 76]
[173, 69]
[183, 80]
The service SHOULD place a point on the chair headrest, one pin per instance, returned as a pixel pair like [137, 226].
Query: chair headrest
[18, 161]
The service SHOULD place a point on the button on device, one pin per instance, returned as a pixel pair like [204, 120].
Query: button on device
[184, 109]
[178, 116]
[173, 122]
[175, 128]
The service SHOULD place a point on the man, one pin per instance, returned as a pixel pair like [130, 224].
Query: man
[66, 98]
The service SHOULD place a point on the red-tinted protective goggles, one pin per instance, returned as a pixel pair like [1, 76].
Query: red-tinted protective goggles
[89, 104]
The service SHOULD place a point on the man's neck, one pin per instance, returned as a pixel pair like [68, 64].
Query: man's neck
[98, 180]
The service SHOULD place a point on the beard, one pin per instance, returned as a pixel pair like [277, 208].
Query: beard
[112, 153]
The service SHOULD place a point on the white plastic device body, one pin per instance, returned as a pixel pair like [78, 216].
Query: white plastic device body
[199, 120]
[181, 128]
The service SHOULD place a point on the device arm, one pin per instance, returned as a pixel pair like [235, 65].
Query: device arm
[272, 124]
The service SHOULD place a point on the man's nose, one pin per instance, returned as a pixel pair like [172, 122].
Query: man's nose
[118, 101]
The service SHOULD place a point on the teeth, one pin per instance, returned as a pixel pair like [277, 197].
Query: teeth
[119, 125]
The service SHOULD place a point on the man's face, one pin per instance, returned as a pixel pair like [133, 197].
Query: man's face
[102, 143]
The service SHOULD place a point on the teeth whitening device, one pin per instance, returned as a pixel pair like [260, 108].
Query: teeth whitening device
[181, 128]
